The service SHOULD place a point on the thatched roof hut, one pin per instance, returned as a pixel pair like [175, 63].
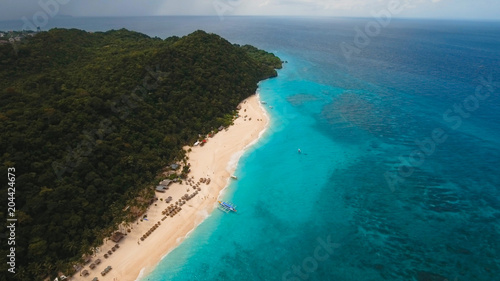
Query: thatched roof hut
[117, 236]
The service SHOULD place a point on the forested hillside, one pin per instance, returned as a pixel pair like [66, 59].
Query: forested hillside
[88, 120]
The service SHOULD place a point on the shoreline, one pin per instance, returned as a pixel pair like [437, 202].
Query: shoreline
[217, 160]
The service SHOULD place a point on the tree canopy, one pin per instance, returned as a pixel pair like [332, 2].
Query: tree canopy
[88, 120]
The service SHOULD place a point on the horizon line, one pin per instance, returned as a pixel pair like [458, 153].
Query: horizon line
[277, 16]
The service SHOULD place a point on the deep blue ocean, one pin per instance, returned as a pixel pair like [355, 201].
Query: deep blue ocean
[399, 175]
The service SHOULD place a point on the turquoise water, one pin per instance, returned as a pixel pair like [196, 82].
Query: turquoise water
[354, 121]
[277, 193]
[375, 194]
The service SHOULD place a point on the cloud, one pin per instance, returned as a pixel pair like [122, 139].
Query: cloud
[114, 7]
[188, 7]
[264, 3]
[15, 9]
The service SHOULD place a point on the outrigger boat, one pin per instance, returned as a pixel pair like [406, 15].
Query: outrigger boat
[227, 207]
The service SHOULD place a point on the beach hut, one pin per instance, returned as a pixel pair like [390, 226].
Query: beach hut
[117, 236]
[87, 259]
[166, 182]
[160, 188]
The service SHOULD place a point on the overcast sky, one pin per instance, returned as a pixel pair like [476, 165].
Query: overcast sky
[446, 9]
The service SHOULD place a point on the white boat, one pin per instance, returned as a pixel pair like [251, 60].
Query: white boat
[234, 177]
[299, 151]
[227, 207]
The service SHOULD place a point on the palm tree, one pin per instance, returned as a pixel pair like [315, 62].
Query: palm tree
[60, 266]
[48, 266]
[127, 224]
[37, 269]
[22, 274]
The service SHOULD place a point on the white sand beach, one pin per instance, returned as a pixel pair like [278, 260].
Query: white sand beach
[215, 160]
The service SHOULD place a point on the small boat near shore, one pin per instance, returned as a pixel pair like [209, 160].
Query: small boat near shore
[227, 207]
[234, 177]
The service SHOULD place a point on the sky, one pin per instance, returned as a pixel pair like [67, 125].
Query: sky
[438, 9]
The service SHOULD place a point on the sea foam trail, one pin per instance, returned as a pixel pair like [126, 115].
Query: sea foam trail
[141, 274]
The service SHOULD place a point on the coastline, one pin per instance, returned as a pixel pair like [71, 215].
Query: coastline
[216, 160]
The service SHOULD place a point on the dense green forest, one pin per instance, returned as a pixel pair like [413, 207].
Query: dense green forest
[88, 120]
